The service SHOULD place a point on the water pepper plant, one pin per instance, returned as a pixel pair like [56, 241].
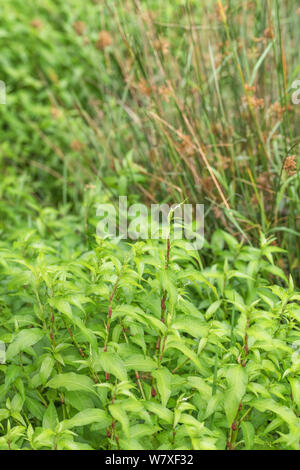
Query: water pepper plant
[142, 345]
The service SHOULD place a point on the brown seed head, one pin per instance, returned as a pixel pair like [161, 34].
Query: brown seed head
[56, 112]
[76, 145]
[290, 165]
[37, 23]
[79, 27]
[104, 40]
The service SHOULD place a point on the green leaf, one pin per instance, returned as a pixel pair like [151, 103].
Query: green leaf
[248, 433]
[35, 407]
[161, 411]
[140, 363]
[113, 364]
[199, 384]
[3, 414]
[120, 415]
[285, 413]
[50, 418]
[61, 305]
[188, 353]
[46, 368]
[192, 326]
[64, 307]
[212, 309]
[88, 416]
[213, 404]
[163, 379]
[23, 340]
[189, 420]
[295, 384]
[130, 444]
[237, 380]
[198, 277]
[79, 401]
[71, 381]
[142, 430]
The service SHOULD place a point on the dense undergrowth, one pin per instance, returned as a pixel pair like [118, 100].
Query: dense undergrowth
[110, 347]
[146, 345]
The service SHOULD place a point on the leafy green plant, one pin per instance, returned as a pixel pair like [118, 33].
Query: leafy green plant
[145, 345]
